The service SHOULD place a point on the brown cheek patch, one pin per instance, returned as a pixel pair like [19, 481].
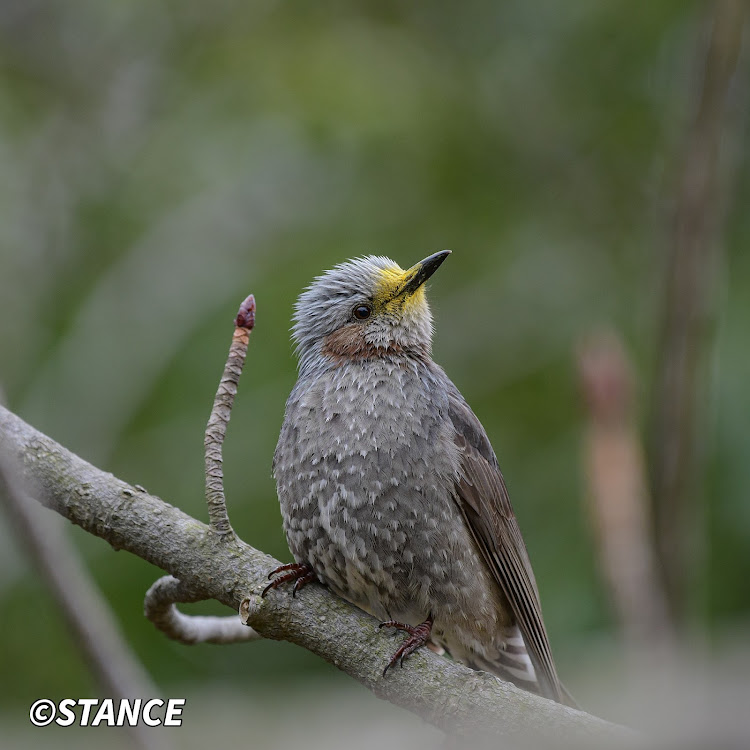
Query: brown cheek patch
[348, 343]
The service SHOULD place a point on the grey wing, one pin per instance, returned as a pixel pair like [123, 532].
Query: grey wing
[483, 499]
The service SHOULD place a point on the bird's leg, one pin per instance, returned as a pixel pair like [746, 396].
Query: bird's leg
[418, 637]
[300, 573]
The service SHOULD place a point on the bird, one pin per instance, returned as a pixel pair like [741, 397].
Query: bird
[391, 494]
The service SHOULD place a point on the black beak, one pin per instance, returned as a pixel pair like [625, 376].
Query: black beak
[420, 272]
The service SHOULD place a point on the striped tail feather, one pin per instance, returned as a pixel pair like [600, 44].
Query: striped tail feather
[513, 664]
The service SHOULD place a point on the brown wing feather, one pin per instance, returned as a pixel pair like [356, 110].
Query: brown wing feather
[483, 499]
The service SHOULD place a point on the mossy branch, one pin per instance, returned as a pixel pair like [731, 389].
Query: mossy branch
[448, 695]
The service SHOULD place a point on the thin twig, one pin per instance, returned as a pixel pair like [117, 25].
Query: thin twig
[688, 311]
[161, 598]
[115, 667]
[220, 413]
[160, 608]
[619, 504]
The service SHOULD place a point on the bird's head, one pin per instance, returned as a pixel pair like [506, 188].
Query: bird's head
[365, 308]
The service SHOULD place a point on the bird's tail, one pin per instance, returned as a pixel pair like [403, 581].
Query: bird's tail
[513, 664]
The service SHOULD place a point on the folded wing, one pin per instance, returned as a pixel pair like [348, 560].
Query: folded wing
[481, 495]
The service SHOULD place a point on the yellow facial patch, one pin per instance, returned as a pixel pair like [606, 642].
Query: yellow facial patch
[389, 291]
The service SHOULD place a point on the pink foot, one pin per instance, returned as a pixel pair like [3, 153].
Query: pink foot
[300, 573]
[418, 637]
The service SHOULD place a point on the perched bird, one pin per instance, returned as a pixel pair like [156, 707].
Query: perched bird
[390, 491]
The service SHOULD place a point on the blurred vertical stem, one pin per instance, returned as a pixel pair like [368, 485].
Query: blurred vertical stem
[619, 504]
[92, 625]
[685, 340]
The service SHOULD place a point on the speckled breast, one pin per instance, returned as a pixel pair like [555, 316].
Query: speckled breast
[364, 468]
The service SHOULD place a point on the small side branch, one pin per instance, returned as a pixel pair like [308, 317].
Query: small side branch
[161, 598]
[222, 409]
[160, 608]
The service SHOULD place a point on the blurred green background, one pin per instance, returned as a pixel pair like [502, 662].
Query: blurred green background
[160, 160]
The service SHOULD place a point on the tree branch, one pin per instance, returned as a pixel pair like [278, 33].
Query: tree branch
[444, 693]
[159, 607]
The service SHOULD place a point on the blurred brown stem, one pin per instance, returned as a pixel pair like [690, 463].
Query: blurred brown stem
[685, 335]
[618, 495]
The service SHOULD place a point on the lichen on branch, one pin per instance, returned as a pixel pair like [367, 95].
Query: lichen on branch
[444, 693]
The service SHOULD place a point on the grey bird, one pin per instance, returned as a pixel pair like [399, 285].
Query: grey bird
[390, 492]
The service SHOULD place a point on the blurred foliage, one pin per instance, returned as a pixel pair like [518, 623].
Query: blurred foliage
[162, 159]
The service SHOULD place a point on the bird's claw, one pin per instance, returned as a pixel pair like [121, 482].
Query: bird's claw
[419, 635]
[300, 573]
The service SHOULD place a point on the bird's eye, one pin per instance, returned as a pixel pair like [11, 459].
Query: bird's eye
[362, 312]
